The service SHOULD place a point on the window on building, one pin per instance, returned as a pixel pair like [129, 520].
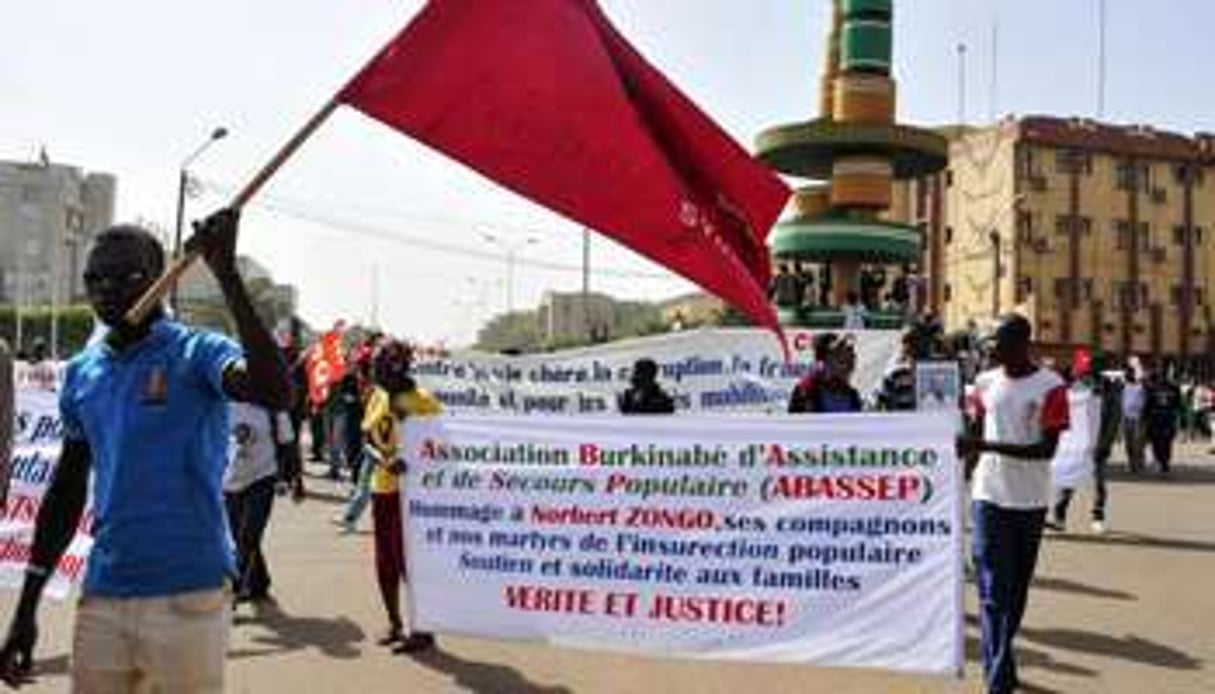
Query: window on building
[1025, 287]
[1132, 175]
[948, 178]
[1073, 160]
[1061, 286]
[947, 292]
[1199, 296]
[1122, 234]
[1061, 224]
[1025, 226]
[948, 235]
[1143, 236]
[1086, 289]
[1198, 236]
[1086, 225]
[1179, 234]
[1176, 293]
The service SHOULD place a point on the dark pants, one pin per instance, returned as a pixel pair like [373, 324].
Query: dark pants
[389, 553]
[1005, 548]
[1161, 440]
[1100, 464]
[248, 515]
[316, 423]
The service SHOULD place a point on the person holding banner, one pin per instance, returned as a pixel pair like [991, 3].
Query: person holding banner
[394, 397]
[828, 388]
[1023, 410]
[644, 395]
[145, 414]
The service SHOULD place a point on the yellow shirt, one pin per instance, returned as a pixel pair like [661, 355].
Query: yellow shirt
[382, 429]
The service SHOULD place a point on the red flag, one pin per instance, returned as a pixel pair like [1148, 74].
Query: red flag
[325, 365]
[548, 99]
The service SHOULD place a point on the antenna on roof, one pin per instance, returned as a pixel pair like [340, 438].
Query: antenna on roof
[1100, 59]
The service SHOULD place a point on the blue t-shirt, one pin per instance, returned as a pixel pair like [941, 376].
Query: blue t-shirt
[156, 420]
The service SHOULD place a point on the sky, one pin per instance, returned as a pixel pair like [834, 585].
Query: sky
[370, 225]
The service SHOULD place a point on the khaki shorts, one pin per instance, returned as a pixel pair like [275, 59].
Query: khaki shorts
[172, 644]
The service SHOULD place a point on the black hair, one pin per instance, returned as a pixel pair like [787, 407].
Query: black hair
[150, 248]
[1015, 327]
[645, 370]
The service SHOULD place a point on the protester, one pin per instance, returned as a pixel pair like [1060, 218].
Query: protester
[255, 451]
[145, 412]
[786, 288]
[8, 406]
[828, 388]
[1133, 398]
[1023, 409]
[1108, 392]
[394, 397]
[897, 392]
[854, 312]
[644, 395]
[1161, 412]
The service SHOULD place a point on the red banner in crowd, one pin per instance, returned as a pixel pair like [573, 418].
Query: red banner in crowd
[326, 366]
[548, 99]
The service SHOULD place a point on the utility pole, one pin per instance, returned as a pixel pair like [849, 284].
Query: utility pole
[961, 84]
[1100, 59]
[586, 282]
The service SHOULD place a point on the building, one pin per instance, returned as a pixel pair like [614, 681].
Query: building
[574, 316]
[1099, 233]
[49, 214]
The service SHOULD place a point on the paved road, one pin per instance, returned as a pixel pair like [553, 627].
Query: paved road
[1132, 611]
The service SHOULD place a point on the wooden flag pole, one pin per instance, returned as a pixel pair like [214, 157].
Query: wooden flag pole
[156, 293]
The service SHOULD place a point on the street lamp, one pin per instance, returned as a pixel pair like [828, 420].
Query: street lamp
[510, 249]
[183, 180]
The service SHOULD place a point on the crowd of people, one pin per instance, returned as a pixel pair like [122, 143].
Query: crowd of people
[804, 286]
[189, 437]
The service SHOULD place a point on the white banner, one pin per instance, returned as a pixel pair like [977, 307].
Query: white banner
[831, 539]
[715, 370]
[36, 445]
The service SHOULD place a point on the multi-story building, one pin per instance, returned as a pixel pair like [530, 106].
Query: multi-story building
[1100, 234]
[48, 215]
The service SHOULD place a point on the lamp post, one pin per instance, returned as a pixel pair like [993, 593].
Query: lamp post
[183, 180]
[510, 249]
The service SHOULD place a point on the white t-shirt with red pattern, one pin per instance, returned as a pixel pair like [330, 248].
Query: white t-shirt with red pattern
[1017, 411]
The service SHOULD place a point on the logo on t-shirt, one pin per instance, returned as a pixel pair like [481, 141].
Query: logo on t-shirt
[156, 387]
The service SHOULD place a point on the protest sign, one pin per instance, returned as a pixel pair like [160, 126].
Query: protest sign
[832, 539]
[36, 445]
[712, 370]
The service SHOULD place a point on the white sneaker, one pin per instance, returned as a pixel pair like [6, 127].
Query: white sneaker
[1098, 527]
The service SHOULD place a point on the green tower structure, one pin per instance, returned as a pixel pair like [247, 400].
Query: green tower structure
[850, 155]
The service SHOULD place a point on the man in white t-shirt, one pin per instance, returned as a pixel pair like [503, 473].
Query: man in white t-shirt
[1133, 399]
[249, 488]
[1023, 409]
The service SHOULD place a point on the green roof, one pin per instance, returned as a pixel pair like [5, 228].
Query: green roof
[808, 149]
[836, 237]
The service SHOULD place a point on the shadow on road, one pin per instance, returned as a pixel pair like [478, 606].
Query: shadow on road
[1064, 585]
[1132, 648]
[1031, 658]
[334, 638]
[1180, 475]
[1136, 540]
[483, 677]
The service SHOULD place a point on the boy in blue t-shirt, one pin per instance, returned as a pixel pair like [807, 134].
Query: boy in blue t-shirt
[144, 412]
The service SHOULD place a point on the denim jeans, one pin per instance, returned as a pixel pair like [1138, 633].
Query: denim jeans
[1005, 547]
[361, 496]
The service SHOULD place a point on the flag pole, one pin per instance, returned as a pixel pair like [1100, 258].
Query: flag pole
[178, 267]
